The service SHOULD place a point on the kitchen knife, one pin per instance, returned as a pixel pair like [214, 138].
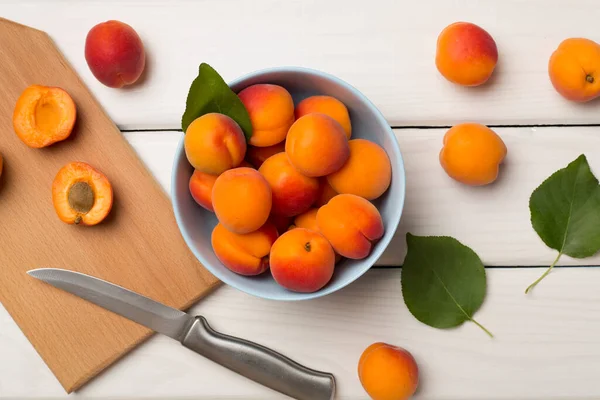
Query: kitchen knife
[249, 359]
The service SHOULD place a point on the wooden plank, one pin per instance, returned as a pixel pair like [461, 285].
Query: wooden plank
[75, 338]
[385, 48]
[493, 220]
[546, 344]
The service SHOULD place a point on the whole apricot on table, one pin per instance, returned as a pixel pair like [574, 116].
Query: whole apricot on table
[367, 173]
[115, 53]
[43, 116]
[327, 105]
[466, 54]
[326, 192]
[241, 199]
[244, 254]
[201, 186]
[388, 372]
[472, 154]
[302, 260]
[293, 193]
[352, 225]
[81, 194]
[214, 143]
[574, 69]
[257, 155]
[317, 145]
[271, 110]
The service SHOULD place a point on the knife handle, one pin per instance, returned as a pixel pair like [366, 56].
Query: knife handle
[259, 363]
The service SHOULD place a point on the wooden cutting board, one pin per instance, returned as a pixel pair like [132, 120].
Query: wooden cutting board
[138, 246]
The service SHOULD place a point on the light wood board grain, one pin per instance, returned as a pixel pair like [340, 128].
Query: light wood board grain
[386, 48]
[493, 220]
[545, 345]
[76, 339]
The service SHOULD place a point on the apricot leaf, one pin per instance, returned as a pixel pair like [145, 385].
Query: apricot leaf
[209, 93]
[443, 281]
[565, 212]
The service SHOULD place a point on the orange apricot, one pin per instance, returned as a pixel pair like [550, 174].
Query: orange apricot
[367, 173]
[257, 155]
[472, 154]
[214, 143]
[44, 115]
[388, 372]
[317, 145]
[325, 193]
[241, 199]
[201, 186]
[351, 224]
[307, 220]
[302, 260]
[115, 53]
[329, 106]
[245, 254]
[574, 69]
[271, 111]
[466, 54]
[81, 194]
[293, 193]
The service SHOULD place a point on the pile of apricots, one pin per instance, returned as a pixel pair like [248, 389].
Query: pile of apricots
[45, 115]
[297, 197]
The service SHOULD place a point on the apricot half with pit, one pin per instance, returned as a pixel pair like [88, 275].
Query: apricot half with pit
[81, 194]
[43, 116]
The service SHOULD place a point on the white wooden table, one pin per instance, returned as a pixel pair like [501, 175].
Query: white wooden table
[546, 343]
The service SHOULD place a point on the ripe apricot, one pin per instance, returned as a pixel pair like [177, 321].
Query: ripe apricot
[271, 111]
[326, 105]
[466, 54]
[388, 372]
[245, 254]
[241, 199]
[307, 220]
[472, 154]
[257, 155]
[115, 53]
[201, 186]
[43, 115]
[351, 224]
[302, 260]
[293, 193]
[214, 143]
[367, 173]
[317, 145]
[574, 69]
[81, 194]
[325, 193]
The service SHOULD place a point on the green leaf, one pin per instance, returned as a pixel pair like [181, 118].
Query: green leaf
[443, 281]
[209, 93]
[565, 212]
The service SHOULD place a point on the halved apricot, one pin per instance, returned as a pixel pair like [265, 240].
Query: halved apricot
[43, 116]
[81, 194]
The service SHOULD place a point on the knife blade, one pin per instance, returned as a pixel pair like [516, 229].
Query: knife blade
[254, 361]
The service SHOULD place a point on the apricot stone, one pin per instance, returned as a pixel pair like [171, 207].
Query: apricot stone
[214, 143]
[115, 53]
[271, 111]
[241, 199]
[367, 173]
[293, 193]
[317, 145]
[388, 372]
[329, 106]
[302, 260]
[466, 54]
[245, 254]
[351, 224]
[574, 69]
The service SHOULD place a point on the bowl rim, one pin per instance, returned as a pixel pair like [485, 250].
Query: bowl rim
[381, 245]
